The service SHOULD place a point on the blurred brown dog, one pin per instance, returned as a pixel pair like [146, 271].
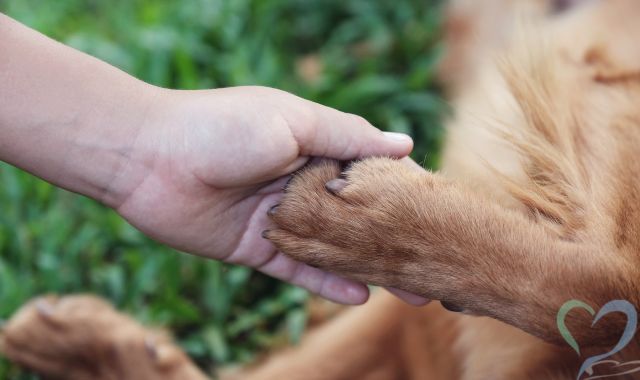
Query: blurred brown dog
[537, 203]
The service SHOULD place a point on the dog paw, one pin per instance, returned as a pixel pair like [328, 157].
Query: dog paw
[83, 337]
[358, 222]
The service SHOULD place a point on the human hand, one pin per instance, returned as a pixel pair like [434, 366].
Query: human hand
[206, 166]
[196, 170]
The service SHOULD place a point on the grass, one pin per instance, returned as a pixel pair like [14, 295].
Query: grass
[372, 58]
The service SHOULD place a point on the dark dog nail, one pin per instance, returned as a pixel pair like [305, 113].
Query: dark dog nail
[345, 166]
[336, 185]
[265, 234]
[451, 307]
[272, 210]
[286, 185]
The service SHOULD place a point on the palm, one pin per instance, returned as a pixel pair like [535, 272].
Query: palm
[213, 176]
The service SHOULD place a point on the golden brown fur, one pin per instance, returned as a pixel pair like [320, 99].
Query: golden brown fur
[537, 203]
[82, 337]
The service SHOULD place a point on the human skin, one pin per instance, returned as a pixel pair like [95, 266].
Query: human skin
[195, 170]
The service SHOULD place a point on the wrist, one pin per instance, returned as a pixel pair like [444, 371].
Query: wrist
[149, 144]
[113, 149]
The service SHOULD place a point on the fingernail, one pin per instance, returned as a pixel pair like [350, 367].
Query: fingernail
[150, 347]
[265, 234]
[44, 308]
[336, 185]
[395, 136]
[272, 210]
[357, 294]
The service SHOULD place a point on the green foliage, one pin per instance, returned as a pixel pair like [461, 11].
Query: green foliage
[372, 58]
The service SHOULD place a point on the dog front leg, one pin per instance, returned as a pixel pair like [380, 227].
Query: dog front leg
[385, 224]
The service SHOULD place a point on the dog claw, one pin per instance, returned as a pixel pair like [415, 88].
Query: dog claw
[286, 185]
[265, 234]
[335, 186]
[451, 307]
[272, 210]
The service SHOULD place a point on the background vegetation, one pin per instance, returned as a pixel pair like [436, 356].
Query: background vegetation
[373, 58]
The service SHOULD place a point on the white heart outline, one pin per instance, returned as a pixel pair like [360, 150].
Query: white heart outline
[622, 306]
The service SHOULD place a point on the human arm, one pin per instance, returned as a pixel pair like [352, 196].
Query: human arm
[196, 170]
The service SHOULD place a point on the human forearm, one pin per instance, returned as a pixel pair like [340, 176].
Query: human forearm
[65, 116]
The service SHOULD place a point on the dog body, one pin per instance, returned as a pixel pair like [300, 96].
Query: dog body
[537, 203]
[541, 155]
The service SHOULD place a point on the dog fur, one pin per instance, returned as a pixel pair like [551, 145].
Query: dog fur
[537, 203]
